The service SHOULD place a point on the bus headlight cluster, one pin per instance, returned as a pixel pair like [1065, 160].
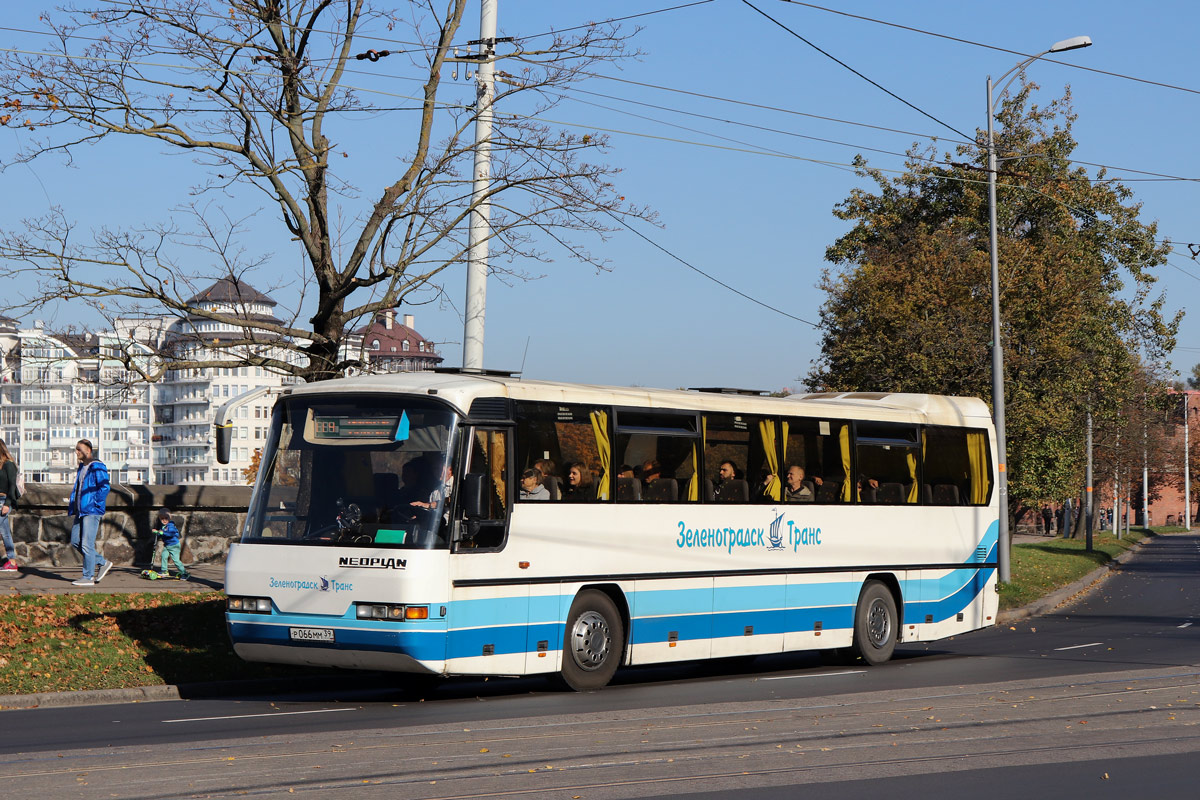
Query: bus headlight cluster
[392, 612]
[250, 605]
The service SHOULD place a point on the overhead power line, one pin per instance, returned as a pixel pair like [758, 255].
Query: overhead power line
[994, 47]
[874, 83]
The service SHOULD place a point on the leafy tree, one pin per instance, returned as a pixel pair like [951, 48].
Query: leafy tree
[909, 304]
[1193, 380]
[259, 94]
[250, 473]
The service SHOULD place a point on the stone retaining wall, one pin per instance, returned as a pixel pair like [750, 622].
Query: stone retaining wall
[208, 517]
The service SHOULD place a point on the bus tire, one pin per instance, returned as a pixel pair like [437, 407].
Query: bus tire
[875, 624]
[593, 642]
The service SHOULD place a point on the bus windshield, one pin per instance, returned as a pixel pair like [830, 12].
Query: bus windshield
[355, 472]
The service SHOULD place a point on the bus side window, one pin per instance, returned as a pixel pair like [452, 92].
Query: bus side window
[554, 437]
[489, 459]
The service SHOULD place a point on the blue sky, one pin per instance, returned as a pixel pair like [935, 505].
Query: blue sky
[757, 222]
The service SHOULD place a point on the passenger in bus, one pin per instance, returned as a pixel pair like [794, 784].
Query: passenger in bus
[626, 471]
[798, 489]
[531, 486]
[578, 488]
[724, 489]
[550, 480]
[651, 471]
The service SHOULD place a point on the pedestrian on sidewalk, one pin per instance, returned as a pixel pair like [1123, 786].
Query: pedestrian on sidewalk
[87, 504]
[8, 501]
[171, 545]
[1047, 520]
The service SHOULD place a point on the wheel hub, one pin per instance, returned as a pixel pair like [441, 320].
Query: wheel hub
[879, 623]
[591, 640]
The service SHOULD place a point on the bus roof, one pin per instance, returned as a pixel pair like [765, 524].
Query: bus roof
[461, 389]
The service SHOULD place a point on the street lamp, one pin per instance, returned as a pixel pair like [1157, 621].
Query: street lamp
[997, 352]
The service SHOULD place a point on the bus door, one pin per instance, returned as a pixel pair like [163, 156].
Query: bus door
[489, 622]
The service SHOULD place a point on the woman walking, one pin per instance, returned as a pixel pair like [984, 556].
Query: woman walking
[87, 504]
[8, 501]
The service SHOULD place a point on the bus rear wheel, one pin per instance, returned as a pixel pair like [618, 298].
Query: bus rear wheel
[875, 624]
[593, 643]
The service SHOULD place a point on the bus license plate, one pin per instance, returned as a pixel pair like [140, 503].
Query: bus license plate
[311, 634]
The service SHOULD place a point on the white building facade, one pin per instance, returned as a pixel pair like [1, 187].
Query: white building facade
[57, 388]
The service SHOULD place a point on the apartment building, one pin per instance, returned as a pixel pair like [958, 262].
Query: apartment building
[59, 387]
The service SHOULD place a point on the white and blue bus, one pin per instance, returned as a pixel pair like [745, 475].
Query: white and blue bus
[479, 524]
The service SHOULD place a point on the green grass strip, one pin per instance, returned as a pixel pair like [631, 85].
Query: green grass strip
[1039, 568]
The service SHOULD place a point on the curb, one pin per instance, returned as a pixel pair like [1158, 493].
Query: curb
[89, 697]
[185, 691]
[1047, 603]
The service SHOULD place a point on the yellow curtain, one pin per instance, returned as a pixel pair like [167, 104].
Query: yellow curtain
[604, 446]
[913, 492]
[844, 438]
[766, 429]
[978, 456]
[694, 483]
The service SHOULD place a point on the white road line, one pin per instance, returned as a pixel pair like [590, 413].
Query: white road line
[821, 675]
[1185, 625]
[1077, 646]
[273, 714]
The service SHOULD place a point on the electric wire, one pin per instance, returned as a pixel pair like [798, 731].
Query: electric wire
[751, 149]
[874, 83]
[699, 271]
[748, 149]
[1156, 176]
[996, 48]
[414, 47]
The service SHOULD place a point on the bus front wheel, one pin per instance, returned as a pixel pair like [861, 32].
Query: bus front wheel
[875, 624]
[593, 643]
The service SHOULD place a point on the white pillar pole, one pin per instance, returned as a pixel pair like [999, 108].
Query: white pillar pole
[480, 230]
[1004, 567]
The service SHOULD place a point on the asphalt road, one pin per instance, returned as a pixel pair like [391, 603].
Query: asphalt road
[1101, 699]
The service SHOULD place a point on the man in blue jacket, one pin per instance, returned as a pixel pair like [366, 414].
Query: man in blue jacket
[87, 505]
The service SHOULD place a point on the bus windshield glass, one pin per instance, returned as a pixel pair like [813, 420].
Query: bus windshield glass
[355, 472]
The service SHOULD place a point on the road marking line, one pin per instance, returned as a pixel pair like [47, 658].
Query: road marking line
[821, 675]
[1185, 625]
[1077, 646]
[273, 714]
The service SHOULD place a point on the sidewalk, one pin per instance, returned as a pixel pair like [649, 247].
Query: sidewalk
[56, 580]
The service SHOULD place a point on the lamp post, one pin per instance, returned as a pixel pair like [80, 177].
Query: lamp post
[997, 352]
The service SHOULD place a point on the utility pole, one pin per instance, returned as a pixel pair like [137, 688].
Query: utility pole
[1087, 491]
[1145, 471]
[480, 230]
[1187, 468]
[1117, 489]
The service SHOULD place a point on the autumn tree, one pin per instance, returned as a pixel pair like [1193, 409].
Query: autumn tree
[908, 304]
[250, 473]
[256, 93]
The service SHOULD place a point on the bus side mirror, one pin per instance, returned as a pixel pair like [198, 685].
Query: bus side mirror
[474, 495]
[224, 438]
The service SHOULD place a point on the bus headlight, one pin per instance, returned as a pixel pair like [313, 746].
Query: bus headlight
[388, 611]
[250, 605]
